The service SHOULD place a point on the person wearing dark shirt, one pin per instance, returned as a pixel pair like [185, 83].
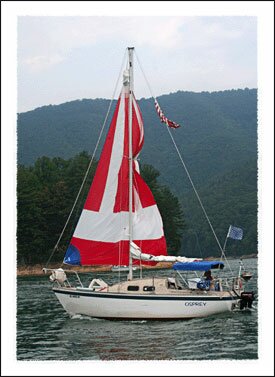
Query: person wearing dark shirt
[208, 279]
[208, 275]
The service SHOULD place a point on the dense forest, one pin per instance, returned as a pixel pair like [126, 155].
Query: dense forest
[45, 196]
[218, 133]
[218, 142]
[228, 200]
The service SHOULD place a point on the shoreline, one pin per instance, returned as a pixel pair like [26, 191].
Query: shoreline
[36, 270]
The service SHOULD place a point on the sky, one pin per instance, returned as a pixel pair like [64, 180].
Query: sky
[64, 58]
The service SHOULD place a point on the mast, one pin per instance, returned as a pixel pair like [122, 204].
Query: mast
[131, 82]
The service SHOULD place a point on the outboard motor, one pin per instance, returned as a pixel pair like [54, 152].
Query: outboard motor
[246, 300]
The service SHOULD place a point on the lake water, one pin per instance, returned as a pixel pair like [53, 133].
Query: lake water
[46, 332]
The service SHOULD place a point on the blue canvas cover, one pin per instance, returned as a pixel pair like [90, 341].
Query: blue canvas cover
[197, 266]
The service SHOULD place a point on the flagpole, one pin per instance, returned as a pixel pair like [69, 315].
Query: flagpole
[131, 81]
[223, 249]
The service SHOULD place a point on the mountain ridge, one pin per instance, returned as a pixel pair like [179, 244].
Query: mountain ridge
[211, 129]
[217, 140]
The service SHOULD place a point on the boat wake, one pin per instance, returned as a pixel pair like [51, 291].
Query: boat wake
[84, 317]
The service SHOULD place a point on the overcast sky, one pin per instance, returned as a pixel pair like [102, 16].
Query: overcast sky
[66, 58]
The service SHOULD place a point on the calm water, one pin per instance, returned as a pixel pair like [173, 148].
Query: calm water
[45, 331]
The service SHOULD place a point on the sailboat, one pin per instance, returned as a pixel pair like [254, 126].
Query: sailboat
[121, 225]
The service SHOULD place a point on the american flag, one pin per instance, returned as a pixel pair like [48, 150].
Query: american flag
[235, 233]
[163, 118]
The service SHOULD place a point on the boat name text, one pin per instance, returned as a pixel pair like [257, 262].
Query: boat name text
[195, 303]
[74, 296]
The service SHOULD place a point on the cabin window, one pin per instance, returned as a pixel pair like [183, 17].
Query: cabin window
[149, 288]
[133, 288]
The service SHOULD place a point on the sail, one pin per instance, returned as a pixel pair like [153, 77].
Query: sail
[102, 233]
[138, 254]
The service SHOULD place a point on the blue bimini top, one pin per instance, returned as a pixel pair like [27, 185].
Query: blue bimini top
[198, 266]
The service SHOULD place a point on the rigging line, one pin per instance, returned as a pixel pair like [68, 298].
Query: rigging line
[91, 161]
[198, 197]
[185, 168]
[197, 242]
[140, 66]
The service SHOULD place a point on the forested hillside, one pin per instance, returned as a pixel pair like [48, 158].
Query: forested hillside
[218, 133]
[218, 142]
[45, 196]
[228, 200]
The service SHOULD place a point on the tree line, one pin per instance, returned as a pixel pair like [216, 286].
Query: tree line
[46, 192]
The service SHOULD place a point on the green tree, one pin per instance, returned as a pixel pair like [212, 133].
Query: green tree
[46, 193]
[169, 207]
[30, 235]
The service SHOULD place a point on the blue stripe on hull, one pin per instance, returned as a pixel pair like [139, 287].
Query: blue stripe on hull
[142, 297]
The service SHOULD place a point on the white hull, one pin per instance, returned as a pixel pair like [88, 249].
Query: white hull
[134, 306]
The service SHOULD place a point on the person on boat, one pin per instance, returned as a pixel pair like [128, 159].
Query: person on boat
[209, 279]
[207, 275]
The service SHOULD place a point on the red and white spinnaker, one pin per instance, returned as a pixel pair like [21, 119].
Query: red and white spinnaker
[102, 233]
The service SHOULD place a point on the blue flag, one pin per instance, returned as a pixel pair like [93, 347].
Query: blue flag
[235, 233]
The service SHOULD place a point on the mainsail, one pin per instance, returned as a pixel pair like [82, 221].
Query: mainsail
[102, 233]
[138, 254]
